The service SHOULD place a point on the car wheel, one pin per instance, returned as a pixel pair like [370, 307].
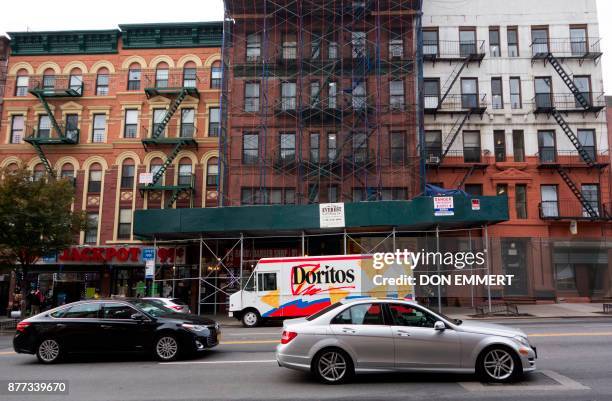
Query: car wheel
[49, 351]
[499, 365]
[333, 366]
[251, 318]
[166, 348]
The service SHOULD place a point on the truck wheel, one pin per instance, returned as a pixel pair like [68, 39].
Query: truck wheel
[251, 318]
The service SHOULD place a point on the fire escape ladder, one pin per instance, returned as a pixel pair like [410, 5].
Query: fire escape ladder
[173, 108]
[577, 193]
[568, 81]
[43, 158]
[452, 136]
[467, 175]
[454, 76]
[162, 170]
[54, 122]
[573, 138]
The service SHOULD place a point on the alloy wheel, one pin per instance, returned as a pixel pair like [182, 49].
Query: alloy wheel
[49, 350]
[166, 348]
[499, 364]
[250, 318]
[332, 366]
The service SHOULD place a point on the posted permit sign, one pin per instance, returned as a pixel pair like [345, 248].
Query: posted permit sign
[331, 215]
[444, 206]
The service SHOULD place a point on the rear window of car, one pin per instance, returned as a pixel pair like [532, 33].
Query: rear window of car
[323, 311]
[178, 301]
[83, 311]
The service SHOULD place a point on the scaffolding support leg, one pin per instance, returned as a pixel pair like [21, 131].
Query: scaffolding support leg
[345, 244]
[438, 269]
[486, 249]
[241, 259]
[303, 244]
[200, 278]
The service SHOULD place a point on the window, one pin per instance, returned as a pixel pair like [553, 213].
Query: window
[550, 201]
[44, 126]
[216, 75]
[315, 150]
[358, 44]
[155, 167]
[396, 45]
[83, 311]
[359, 95]
[315, 91]
[266, 281]
[467, 41]
[99, 127]
[494, 42]
[158, 125]
[287, 146]
[117, 311]
[67, 171]
[161, 75]
[187, 123]
[516, 101]
[473, 189]
[586, 137]
[190, 75]
[501, 189]
[94, 184]
[513, 41]
[521, 201]
[431, 90]
[499, 137]
[102, 82]
[497, 93]
[48, 83]
[370, 314]
[184, 173]
[396, 95]
[131, 123]
[332, 193]
[39, 172]
[22, 85]
[590, 192]
[547, 146]
[398, 147]
[471, 146]
[433, 145]
[469, 93]
[315, 45]
[332, 94]
[134, 74]
[388, 194]
[72, 126]
[75, 82]
[290, 47]
[539, 40]
[124, 230]
[430, 42]
[288, 95]
[253, 47]
[579, 41]
[583, 84]
[332, 50]
[251, 97]
[313, 193]
[332, 146]
[214, 121]
[250, 148]
[409, 316]
[360, 147]
[17, 129]
[127, 175]
[212, 172]
[518, 146]
[91, 232]
[543, 92]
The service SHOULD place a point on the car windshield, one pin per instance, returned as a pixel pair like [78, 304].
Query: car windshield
[152, 308]
[178, 301]
[323, 311]
[450, 319]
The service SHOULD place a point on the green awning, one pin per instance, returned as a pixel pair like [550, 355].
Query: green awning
[416, 214]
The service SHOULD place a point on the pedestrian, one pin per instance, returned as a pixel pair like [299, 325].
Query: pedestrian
[35, 301]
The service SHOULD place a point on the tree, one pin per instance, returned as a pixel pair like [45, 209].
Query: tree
[35, 218]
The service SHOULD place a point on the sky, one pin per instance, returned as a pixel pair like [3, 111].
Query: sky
[71, 14]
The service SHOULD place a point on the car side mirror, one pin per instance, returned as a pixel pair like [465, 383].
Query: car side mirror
[138, 317]
[439, 325]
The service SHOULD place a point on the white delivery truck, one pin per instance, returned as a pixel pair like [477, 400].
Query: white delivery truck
[292, 287]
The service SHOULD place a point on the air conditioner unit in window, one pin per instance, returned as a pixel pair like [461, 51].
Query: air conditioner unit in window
[252, 58]
[433, 159]
[396, 52]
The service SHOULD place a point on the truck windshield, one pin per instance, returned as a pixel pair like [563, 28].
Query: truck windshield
[324, 311]
[250, 284]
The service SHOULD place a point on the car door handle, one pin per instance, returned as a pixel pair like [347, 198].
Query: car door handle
[60, 325]
[402, 333]
[349, 331]
[105, 326]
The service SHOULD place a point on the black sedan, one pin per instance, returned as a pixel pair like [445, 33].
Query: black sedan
[114, 326]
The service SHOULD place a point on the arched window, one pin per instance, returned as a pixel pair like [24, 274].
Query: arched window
[67, 171]
[156, 165]
[212, 172]
[94, 185]
[161, 75]
[48, 82]
[134, 74]
[216, 74]
[128, 171]
[22, 83]
[12, 168]
[76, 81]
[39, 172]
[184, 172]
[102, 81]
[190, 75]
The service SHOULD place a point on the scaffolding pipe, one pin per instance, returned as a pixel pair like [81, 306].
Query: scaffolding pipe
[486, 249]
[438, 269]
[200, 276]
[241, 259]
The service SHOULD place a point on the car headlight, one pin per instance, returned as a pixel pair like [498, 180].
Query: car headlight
[522, 340]
[216, 326]
[193, 327]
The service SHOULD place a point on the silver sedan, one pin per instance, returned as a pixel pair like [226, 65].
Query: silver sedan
[383, 335]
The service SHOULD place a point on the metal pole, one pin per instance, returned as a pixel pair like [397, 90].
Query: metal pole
[241, 259]
[303, 244]
[200, 277]
[486, 249]
[345, 245]
[394, 247]
[151, 282]
[438, 268]
[173, 279]
[472, 268]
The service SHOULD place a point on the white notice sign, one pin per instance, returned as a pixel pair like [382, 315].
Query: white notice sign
[145, 178]
[444, 206]
[331, 215]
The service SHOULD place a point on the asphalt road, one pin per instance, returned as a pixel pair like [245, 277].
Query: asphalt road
[575, 364]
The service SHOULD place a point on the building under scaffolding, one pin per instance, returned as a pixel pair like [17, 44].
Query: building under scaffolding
[320, 101]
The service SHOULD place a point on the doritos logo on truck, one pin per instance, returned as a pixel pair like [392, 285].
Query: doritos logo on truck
[310, 279]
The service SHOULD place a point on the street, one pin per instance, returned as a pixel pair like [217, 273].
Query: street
[574, 364]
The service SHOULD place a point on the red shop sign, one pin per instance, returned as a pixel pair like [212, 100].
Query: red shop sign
[101, 254]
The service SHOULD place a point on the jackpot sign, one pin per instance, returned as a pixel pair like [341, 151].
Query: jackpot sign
[324, 278]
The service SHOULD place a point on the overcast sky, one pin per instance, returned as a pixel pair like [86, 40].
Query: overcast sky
[78, 14]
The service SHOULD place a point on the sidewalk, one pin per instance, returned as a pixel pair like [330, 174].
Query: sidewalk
[542, 311]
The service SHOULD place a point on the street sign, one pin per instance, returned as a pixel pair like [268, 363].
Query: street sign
[148, 254]
[475, 204]
[150, 268]
[444, 206]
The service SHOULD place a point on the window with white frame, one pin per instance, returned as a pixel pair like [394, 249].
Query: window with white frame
[99, 128]
[131, 123]
[124, 229]
[253, 47]
[396, 95]
[17, 128]
[251, 96]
